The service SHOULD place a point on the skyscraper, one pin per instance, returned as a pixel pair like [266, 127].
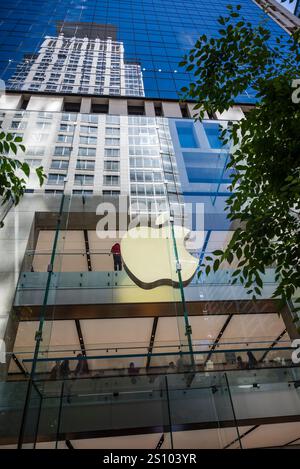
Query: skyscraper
[152, 355]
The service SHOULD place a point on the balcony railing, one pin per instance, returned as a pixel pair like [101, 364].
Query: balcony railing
[161, 401]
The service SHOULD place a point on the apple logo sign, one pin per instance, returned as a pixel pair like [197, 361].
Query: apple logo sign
[149, 259]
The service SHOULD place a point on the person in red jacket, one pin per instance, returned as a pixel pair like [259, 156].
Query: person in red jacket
[116, 252]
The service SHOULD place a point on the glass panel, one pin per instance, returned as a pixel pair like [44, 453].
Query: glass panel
[12, 400]
[162, 403]
[186, 135]
[43, 334]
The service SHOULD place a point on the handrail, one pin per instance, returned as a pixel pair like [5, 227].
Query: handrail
[116, 347]
[158, 354]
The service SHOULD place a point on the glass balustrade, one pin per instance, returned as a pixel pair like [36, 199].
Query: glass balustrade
[160, 402]
[213, 288]
[116, 359]
[103, 397]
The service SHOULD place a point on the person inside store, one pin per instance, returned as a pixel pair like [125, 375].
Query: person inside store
[54, 373]
[82, 366]
[133, 371]
[252, 362]
[240, 364]
[116, 252]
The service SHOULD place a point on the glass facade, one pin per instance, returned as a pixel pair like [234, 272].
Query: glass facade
[107, 47]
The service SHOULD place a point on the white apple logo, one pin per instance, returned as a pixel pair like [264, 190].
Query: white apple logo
[149, 259]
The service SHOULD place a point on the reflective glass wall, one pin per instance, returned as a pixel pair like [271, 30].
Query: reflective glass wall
[109, 47]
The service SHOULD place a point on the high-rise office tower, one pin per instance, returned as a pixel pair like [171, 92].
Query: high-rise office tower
[150, 356]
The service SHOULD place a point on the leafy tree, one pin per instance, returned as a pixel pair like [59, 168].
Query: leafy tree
[265, 160]
[13, 172]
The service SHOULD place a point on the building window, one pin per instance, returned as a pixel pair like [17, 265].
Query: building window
[33, 163]
[35, 151]
[59, 164]
[62, 151]
[110, 180]
[111, 165]
[45, 115]
[88, 129]
[85, 164]
[18, 125]
[66, 128]
[19, 114]
[158, 109]
[54, 178]
[112, 131]
[186, 135]
[113, 119]
[67, 89]
[53, 191]
[69, 117]
[100, 108]
[34, 87]
[184, 110]
[86, 151]
[115, 152]
[136, 110]
[213, 133]
[84, 179]
[71, 107]
[43, 125]
[65, 138]
[112, 192]
[88, 140]
[112, 141]
[82, 192]
[90, 118]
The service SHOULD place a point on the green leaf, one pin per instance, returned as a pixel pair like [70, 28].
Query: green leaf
[13, 147]
[218, 252]
[25, 168]
[40, 174]
[230, 257]
[216, 265]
